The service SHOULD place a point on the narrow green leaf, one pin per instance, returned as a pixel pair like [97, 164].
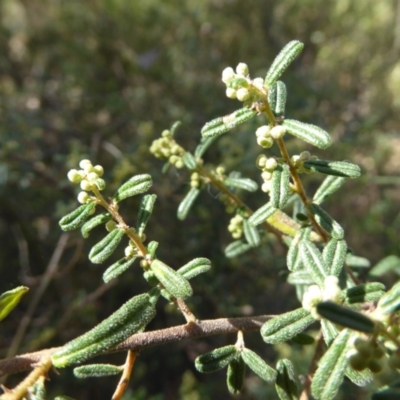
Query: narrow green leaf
[326, 221]
[136, 185]
[131, 317]
[387, 264]
[241, 183]
[359, 378]
[336, 168]
[334, 255]
[280, 186]
[117, 268]
[329, 331]
[9, 299]
[261, 215]
[76, 218]
[309, 133]
[331, 369]
[303, 339]
[281, 94]
[216, 359]
[300, 277]
[93, 222]
[293, 258]
[258, 365]
[235, 375]
[390, 301]
[286, 326]
[96, 370]
[286, 384]
[152, 279]
[345, 316]
[235, 248]
[205, 143]
[220, 125]
[152, 247]
[195, 267]
[282, 61]
[251, 234]
[172, 281]
[357, 261]
[272, 92]
[102, 250]
[145, 210]
[328, 186]
[189, 161]
[187, 203]
[313, 261]
[371, 291]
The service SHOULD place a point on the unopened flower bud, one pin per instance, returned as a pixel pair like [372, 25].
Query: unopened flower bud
[228, 74]
[74, 176]
[271, 164]
[83, 197]
[91, 176]
[258, 83]
[99, 170]
[86, 185]
[265, 143]
[243, 94]
[263, 131]
[111, 225]
[230, 93]
[277, 132]
[242, 69]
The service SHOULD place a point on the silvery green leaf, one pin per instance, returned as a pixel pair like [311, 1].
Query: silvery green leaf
[97, 370]
[187, 203]
[359, 378]
[309, 133]
[76, 218]
[235, 375]
[281, 95]
[332, 366]
[286, 326]
[293, 258]
[280, 186]
[329, 331]
[195, 267]
[241, 183]
[336, 168]
[145, 210]
[136, 185]
[371, 291]
[258, 365]
[328, 186]
[117, 268]
[102, 250]
[357, 261]
[251, 234]
[189, 161]
[93, 222]
[313, 261]
[216, 359]
[261, 215]
[282, 61]
[390, 301]
[387, 264]
[152, 247]
[300, 277]
[235, 248]
[334, 255]
[221, 125]
[326, 221]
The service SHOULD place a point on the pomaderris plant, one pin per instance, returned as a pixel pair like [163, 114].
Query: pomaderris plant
[354, 326]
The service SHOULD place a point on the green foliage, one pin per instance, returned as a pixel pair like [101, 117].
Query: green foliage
[9, 299]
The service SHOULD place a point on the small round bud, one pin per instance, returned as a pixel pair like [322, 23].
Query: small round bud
[265, 143]
[111, 225]
[173, 159]
[166, 133]
[261, 160]
[129, 251]
[263, 131]
[242, 69]
[266, 187]
[220, 170]
[194, 184]
[363, 347]
[305, 155]
[258, 83]
[91, 176]
[179, 164]
[277, 132]
[99, 170]
[271, 164]
[358, 361]
[375, 366]
[295, 160]
[86, 185]
[230, 93]
[243, 94]
[228, 74]
[378, 351]
[85, 164]
[144, 263]
[266, 176]
[83, 197]
[74, 176]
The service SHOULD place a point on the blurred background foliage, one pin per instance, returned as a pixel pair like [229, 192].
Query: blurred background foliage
[101, 79]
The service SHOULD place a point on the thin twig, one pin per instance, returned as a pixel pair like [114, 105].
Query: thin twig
[126, 375]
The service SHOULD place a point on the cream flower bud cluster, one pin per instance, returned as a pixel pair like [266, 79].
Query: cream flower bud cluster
[89, 178]
[131, 250]
[315, 295]
[298, 161]
[236, 226]
[367, 353]
[268, 166]
[167, 149]
[195, 180]
[240, 86]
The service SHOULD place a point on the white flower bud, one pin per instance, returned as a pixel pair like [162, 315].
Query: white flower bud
[83, 197]
[111, 225]
[243, 94]
[271, 164]
[99, 170]
[277, 132]
[230, 93]
[242, 69]
[331, 288]
[311, 298]
[74, 176]
[85, 164]
[263, 131]
[85, 185]
[228, 74]
[265, 143]
[266, 186]
[258, 83]
[91, 176]
[266, 176]
[129, 251]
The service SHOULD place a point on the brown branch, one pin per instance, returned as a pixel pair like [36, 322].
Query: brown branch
[126, 375]
[143, 340]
